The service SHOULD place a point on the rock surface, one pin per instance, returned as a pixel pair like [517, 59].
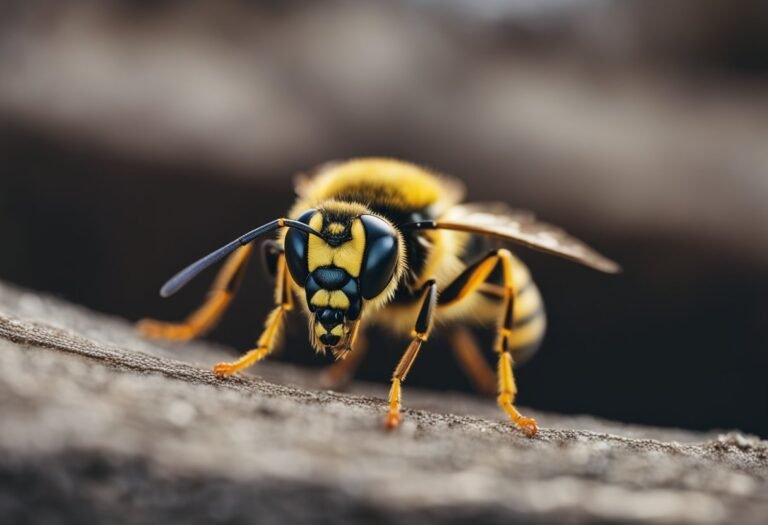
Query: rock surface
[99, 425]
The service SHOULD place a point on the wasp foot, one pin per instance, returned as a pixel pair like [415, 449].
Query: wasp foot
[393, 420]
[225, 369]
[249, 359]
[526, 424]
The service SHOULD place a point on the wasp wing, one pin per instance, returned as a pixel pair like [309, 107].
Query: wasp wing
[521, 227]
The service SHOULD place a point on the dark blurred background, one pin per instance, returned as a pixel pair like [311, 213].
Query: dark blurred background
[137, 136]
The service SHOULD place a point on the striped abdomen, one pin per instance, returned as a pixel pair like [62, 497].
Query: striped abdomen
[486, 305]
[530, 318]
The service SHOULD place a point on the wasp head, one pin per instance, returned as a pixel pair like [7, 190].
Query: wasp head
[355, 262]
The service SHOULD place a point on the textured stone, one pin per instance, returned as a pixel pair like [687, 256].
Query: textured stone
[100, 425]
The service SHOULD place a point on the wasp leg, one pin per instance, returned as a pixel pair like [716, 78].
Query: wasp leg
[471, 359]
[272, 328]
[270, 255]
[339, 374]
[420, 334]
[204, 318]
[464, 285]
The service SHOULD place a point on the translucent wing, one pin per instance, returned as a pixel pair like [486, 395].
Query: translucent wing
[521, 227]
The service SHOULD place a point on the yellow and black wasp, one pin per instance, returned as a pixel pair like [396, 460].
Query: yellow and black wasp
[382, 241]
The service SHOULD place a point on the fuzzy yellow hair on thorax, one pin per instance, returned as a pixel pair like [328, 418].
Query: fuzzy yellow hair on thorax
[398, 184]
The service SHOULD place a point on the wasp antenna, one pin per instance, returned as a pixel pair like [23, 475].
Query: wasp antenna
[178, 281]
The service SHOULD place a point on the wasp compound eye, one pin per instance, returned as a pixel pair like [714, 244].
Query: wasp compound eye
[381, 256]
[296, 242]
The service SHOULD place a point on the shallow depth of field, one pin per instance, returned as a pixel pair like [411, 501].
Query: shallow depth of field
[134, 138]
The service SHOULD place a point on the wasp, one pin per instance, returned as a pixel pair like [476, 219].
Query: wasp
[382, 241]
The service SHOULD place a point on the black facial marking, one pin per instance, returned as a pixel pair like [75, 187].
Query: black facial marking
[330, 277]
[311, 288]
[330, 317]
[329, 339]
[337, 238]
[351, 290]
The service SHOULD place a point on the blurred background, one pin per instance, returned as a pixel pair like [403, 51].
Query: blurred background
[137, 136]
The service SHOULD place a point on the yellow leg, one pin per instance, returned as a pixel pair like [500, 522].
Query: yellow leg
[507, 392]
[469, 282]
[272, 328]
[507, 387]
[420, 334]
[205, 317]
[395, 397]
[394, 418]
[264, 346]
[473, 362]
